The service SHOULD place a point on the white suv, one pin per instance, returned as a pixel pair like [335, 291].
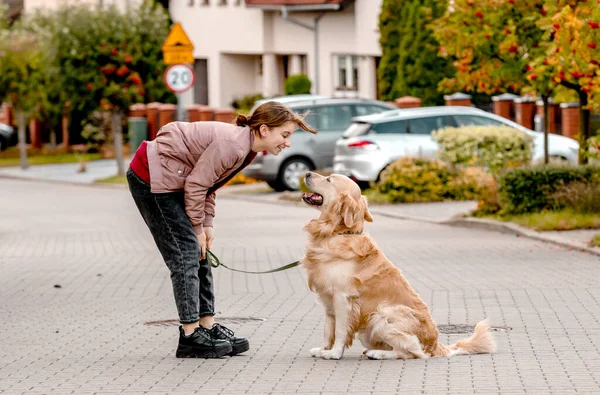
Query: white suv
[373, 142]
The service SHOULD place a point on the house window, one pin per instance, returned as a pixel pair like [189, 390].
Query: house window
[347, 73]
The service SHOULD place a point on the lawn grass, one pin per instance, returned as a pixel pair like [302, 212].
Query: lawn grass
[595, 241]
[49, 159]
[554, 220]
[113, 180]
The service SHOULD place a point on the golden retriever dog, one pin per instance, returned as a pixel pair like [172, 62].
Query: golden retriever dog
[363, 293]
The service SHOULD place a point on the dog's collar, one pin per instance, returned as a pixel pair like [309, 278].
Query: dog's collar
[350, 232]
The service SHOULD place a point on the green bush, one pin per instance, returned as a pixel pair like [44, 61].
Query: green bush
[493, 147]
[581, 197]
[535, 189]
[409, 180]
[245, 104]
[297, 85]
[472, 183]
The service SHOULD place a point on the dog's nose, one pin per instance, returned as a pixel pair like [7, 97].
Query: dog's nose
[308, 174]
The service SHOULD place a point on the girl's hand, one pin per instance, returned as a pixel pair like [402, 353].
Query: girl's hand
[202, 244]
[210, 236]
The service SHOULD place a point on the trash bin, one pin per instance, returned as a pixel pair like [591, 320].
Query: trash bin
[138, 131]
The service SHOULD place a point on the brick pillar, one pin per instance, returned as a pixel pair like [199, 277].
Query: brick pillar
[551, 114]
[570, 119]
[458, 99]
[194, 112]
[137, 110]
[166, 114]
[503, 105]
[199, 112]
[407, 102]
[35, 133]
[224, 115]
[7, 114]
[152, 116]
[524, 111]
[206, 114]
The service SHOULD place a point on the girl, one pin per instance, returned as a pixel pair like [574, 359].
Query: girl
[173, 180]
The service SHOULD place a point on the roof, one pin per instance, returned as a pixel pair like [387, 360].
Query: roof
[291, 2]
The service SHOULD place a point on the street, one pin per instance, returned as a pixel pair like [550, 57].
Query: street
[83, 286]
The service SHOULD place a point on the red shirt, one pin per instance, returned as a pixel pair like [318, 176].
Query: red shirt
[139, 163]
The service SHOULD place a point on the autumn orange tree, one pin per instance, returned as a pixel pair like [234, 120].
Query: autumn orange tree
[492, 43]
[525, 46]
[572, 56]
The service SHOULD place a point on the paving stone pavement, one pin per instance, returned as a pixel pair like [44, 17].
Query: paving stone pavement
[89, 336]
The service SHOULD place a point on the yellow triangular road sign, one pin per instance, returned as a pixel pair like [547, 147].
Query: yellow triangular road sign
[177, 39]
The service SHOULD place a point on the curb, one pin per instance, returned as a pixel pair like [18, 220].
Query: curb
[64, 182]
[510, 228]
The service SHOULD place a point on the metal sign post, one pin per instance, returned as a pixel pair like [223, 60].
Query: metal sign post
[178, 51]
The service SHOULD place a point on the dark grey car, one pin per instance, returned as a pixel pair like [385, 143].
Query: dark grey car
[8, 136]
[331, 117]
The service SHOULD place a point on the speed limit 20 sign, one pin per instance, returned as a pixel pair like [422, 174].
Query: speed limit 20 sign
[179, 78]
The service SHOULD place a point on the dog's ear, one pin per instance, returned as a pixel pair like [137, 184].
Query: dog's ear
[351, 211]
[368, 217]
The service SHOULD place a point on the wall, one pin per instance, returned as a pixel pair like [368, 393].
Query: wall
[238, 76]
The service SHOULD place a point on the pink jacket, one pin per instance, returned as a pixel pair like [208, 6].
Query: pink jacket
[198, 158]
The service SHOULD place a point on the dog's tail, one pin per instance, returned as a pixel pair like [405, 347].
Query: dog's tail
[480, 342]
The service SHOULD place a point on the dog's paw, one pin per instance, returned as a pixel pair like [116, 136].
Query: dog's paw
[316, 352]
[376, 354]
[332, 354]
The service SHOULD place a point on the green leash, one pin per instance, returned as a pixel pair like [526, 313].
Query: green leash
[215, 262]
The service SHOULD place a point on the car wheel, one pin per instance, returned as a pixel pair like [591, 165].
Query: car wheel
[276, 185]
[291, 171]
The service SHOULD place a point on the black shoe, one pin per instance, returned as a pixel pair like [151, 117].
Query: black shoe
[201, 344]
[238, 344]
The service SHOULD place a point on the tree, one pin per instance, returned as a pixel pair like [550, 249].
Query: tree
[498, 41]
[409, 63]
[523, 46]
[490, 43]
[109, 60]
[23, 76]
[572, 56]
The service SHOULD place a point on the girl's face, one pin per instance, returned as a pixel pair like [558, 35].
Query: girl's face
[278, 138]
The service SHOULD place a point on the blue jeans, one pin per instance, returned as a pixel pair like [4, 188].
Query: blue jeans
[174, 235]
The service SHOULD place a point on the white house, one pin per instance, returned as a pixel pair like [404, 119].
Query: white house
[247, 47]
